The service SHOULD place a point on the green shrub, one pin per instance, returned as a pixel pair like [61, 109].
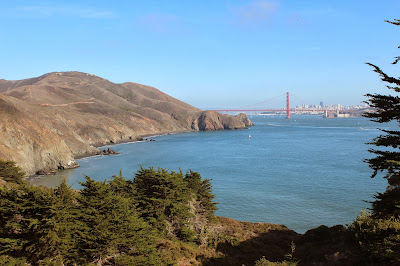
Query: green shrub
[10, 172]
[187, 234]
[10, 261]
[264, 262]
[379, 238]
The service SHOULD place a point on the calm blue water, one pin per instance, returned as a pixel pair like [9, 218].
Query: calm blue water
[302, 172]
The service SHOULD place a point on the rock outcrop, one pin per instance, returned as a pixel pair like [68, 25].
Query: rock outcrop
[245, 120]
[48, 121]
[108, 151]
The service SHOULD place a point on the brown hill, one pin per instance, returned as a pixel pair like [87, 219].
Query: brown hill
[29, 142]
[69, 114]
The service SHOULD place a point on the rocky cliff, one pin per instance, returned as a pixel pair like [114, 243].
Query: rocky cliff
[29, 142]
[48, 121]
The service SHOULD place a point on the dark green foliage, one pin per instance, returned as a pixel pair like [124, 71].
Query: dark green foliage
[387, 159]
[162, 195]
[116, 222]
[164, 199]
[378, 234]
[378, 238]
[387, 204]
[10, 172]
[111, 226]
[10, 261]
[202, 190]
[24, 212]
[121, 186]
[186, 234]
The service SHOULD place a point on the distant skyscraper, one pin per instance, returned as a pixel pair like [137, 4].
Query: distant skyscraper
[321, 103]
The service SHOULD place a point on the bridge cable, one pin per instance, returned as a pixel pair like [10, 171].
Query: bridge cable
[261, 102]
[304, 102]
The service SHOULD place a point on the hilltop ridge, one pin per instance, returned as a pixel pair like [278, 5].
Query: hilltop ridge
[72, 113]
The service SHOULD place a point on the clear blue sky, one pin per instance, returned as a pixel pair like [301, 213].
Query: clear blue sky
[208, 53]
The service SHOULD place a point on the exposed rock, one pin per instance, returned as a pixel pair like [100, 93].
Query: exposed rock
[108, 151]
[48, 121]
[245, 120]
[29, 142]
[211, 120]
[46, 172]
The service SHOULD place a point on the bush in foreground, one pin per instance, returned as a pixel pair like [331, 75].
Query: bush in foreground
[116, 222]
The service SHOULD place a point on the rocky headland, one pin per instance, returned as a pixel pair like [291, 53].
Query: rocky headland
[48, 121]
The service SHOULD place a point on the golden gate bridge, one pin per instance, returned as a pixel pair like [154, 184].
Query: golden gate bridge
[288, 110]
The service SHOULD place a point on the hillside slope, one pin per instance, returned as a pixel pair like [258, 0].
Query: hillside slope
[73, 113]
[29, 142]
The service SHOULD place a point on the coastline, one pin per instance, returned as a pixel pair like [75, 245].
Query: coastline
[139, 138]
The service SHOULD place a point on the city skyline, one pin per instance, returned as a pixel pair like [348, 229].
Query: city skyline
[210, 53]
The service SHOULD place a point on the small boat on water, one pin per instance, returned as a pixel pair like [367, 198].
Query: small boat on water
[249, 136]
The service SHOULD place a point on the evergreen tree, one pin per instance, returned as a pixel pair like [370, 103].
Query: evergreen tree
[10, 172]
[176, 204]
[121, 186]
[202, 191]
[112, 232]
[24, 212]
[387, 160]
[62, 224]
[378, 235]
[163, 198]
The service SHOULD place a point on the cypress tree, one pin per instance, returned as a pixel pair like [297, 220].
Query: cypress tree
[202, 191]
[387, 159]
[379, 234]
[10, 172]
[163, 198]
[24, 212]
[112, 231]
[62, 225]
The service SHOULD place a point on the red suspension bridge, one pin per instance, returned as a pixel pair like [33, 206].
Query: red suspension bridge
[326, 111]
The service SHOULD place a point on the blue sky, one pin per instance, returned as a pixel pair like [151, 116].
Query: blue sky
[211, 54]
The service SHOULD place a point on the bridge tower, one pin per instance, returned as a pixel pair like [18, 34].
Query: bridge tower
[287, 106]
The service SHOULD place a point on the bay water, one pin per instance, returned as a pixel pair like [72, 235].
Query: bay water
[301, 172]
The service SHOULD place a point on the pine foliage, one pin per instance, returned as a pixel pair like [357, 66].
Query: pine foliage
[164, 199]
[378, 238]
[387, 153]
[10, 172]
[378, 234]
[115, 222]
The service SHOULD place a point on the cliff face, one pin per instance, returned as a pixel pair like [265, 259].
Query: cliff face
[211, 120]
[30, 143]
[49, 120]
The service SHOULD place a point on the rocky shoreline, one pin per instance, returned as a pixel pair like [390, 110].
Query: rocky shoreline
[49, 121]
[106, 152]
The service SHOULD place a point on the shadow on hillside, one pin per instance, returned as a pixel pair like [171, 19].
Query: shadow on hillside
[328, 246]
[319, 246]
[273, 245]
